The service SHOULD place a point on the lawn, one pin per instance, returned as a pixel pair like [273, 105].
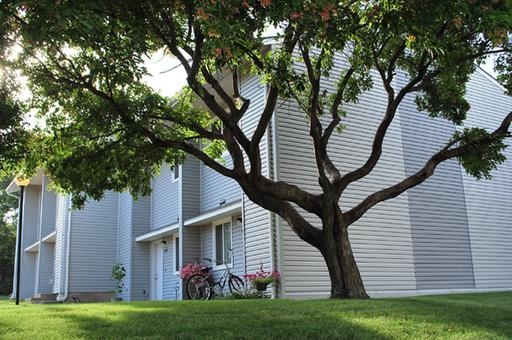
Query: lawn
[464, 316]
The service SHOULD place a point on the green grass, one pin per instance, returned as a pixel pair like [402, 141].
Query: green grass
[465, 316]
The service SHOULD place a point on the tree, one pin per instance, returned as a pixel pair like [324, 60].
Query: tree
[7, 239]
[106, 129]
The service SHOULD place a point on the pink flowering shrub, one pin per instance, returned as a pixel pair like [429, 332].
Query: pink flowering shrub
[263, 276]
[193, 268]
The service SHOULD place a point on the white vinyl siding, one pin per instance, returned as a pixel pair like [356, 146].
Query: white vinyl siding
[216, 188]
[442, 249]
[257, 242]
[125, 239]
[164, 199]
[93, 245]
[61, 217]
[30, 234]
[489, 202]
[381, 240]
[140, 259]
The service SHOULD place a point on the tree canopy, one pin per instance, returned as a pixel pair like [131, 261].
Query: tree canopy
[107, 129]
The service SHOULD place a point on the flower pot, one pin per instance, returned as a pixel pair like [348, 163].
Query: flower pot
[261, 286]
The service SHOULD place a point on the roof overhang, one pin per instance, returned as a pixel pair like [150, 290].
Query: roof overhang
[37, 179]
[50, 238]
[33, 248]
[158, 233]
[224, 211]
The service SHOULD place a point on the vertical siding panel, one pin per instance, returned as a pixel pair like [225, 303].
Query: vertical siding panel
[442, 250]
[381, 240]
[170, 279]
[488, 203]
[46, 250]
[141, 284]
[93, 245]
[216, 187]
[165, 200]
[46, 267]
[257, 219]
[60, 226]
[30, 234]
[190, 186]
[124, 252]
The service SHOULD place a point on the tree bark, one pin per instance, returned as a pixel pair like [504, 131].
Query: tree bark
[345, 277]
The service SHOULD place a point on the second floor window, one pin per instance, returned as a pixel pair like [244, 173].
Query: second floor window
[222, 242]
[175, 172]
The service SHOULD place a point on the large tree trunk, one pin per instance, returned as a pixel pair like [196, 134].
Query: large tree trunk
[345, 278]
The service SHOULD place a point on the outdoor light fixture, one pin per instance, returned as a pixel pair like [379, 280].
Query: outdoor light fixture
[222, 202]
[21, 182]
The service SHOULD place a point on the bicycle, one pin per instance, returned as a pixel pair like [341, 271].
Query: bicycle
[201, 286]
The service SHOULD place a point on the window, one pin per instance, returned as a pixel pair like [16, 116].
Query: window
[175, 172]
[177, 254]
[222, 242]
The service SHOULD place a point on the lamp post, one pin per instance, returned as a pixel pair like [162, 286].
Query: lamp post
[21, 183]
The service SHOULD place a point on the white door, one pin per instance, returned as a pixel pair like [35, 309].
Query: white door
[157, 271]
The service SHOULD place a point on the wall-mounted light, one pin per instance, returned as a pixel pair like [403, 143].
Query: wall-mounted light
[239, 219]
[222, 202]
[164, 241]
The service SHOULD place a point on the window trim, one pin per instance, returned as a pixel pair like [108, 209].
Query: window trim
[174, 172]
[214, 241]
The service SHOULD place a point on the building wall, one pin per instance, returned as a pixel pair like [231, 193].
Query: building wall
[46, 266]
[30, 232]
[171, 281]
[437, 208]
[216, 187]
[206, 237]
[61, 218]
[488, 202]
[257, 243]
[164, 199]
[190, 178]
[381, 240]
[125, 241]
[93, 245]
[140, 268]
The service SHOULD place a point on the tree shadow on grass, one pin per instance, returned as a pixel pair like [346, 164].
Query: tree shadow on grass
[211, 322]
[423, 317]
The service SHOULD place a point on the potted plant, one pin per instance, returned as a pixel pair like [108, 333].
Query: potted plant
[261, 279]
[118, 274]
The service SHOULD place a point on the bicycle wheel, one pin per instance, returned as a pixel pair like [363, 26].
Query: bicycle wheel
[199, 287]
[235, 284]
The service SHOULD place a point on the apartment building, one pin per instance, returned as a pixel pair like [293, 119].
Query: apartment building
[452, 233]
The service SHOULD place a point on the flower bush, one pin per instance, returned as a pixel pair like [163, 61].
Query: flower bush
[262, 276]
[193, 268]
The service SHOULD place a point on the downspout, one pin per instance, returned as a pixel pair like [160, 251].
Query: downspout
[64, 297]
[272, 175]
[277, 240]
[181, 226]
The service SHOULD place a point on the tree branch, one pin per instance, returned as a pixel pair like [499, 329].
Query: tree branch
[424, 173]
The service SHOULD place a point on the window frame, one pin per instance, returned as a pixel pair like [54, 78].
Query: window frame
[176, 171]
[216, 223]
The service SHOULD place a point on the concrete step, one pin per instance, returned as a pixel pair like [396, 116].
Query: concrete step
[43, 298]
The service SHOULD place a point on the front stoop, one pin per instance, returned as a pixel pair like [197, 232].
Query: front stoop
[43, 298]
